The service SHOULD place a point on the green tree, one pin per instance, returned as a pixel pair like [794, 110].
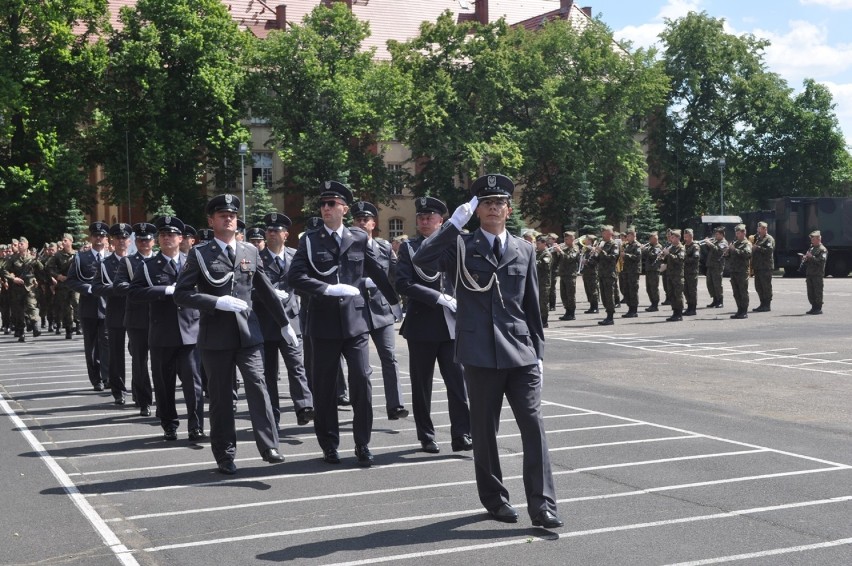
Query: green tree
[587, 216]
[164, 208]
[49, 60]
[169, 102]
[75, 223]
[646, 218]
[261, 203]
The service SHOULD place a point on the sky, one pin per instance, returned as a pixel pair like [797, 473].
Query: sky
[809, 38]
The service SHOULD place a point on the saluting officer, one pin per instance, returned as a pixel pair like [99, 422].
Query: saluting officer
[429, 327]
[218, 280]
[499, 341]
[331, 264]
[763, 262]
[80, 276]
[739, 254]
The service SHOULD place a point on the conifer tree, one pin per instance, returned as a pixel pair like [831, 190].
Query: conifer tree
[646, 219]
[75, 223]
[261, 203]
[588, 218]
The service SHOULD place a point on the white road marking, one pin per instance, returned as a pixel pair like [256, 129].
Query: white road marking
[765, 553]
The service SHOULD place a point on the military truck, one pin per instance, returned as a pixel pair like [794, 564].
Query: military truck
[704, 226]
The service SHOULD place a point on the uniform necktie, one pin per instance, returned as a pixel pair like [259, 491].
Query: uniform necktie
[173, 264]
[498, 249]
[281, 265]
[231, 255]
[336, 238]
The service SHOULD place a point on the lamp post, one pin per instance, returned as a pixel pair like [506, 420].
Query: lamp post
[243, 151]
[722, 186]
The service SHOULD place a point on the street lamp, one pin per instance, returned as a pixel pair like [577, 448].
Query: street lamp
[243, 151]
[722, 186]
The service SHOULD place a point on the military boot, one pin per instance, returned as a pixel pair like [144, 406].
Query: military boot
[36, 331]
[740, 314]
[713, 304]
[677, 316]
[593, 309]
[68, 334]
[817, 309]
[690, 311]
[631, 313]
[652, 308]
[608, 321]
[569, 315]
[720, 304]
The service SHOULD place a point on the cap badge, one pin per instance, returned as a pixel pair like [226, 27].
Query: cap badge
[361, 207]
[167, 219]
[123, 226]
[328, 184]
[492, 181]
[274, 217]
[423, 201]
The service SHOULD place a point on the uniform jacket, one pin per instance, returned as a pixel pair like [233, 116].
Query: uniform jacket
[278, 278]
[58, 264]
[425, 320]
[210, 274]
[171, 325]
[543, 263]
[649, 257]
[674, 262]
[608, 257]
[633, 257]
[490, 332]
[379, 312]
[569, 261]
[763, 253]
[715, 257]
[337, 317]
[81, 275]
[815, 267]
[135, 312]
[739, 256]
[104, 286]
[692, 259]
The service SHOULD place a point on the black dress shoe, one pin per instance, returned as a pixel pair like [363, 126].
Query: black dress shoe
[398, 413]
[119, 401]
[365, 457]
[505, 514]
[145, 412]
[170, 434]
[304, 416]
[36, 332]
[227, 467]
[430, 446]
[462, 443]
[547, 520]
[331, 456]
[343, 401]
[272, 456]
[196, 434]
[99, 386]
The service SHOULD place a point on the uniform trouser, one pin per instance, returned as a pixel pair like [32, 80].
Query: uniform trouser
[763, 285]
[5, 310]
[167, 363]
[607, 284]
[618, 289]
[590, 284]
[297, 380]
[140, 379]
[551, 293]
[814, 285]
[568, 291]
[666, 285]
[714, 284]
[630, 289]
[739, 285]
[522, 388]
[421, 365]
[220, 367]
[652, 286]
[326, 364]
[23, 307]
[117, 375]
[676, 292]
[690, 288]
[384, 339]
[63, 311]
[543, 303]
[96, 348]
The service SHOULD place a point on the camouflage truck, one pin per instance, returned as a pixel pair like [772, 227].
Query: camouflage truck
[703, 227]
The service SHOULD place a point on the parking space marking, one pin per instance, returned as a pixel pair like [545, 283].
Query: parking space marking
[765, 553]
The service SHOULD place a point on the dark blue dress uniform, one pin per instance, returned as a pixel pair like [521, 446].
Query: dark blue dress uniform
[104, 286]
[276, 269]
[338, 325]
[136, 322]
[172, 337]
[429, 329]
[228, 339]
[499, 341]
[92, 311]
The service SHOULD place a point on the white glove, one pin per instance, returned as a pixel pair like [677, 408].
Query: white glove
[369, 284]
[231, 304]
[541, 368]
[341, 290]
[283, 295]
[289, 335]
[463, 213]
[448, 301]
[170, 290]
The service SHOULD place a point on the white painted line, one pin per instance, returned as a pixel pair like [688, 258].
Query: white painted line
[122, 553]
[765, 553]
[125, 412]
[615, 443]
[50, 391]
[524, 540]
[66, 382]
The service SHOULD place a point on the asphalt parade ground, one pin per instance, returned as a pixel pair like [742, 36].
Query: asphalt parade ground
[701, 442]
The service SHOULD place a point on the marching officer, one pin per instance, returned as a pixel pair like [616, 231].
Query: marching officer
[691, 265]
[543, 261]
[716, 255]
[607, 255]
[569, 266]
[815, 259]
[631, 257]
[739, 254]
[763, 262]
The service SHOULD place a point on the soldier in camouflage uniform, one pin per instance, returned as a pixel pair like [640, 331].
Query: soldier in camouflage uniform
[45, 288]
[739, 256]
[815, 260]
[569, 265]
[553, 242]
[5, 314]
[22, 271]
[607, 255]
[762, 263]
[543, 261]
[691, 263]
[64, 298]
[651, 266]
[715, 266]
[590, 273]
[674, 256]
[631, 257]
[667, 301]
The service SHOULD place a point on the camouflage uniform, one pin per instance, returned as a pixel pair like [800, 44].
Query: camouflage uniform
[739, 254]
[590, 279]
[630, 274]
[543, 261]
[65, 299]
[569, 263]
[5, 312]
[715, 267]
[554, 273]
[763, 262]
[607, 258]
[651, 267]
[674, 272]
[22, 297]
[690, 276]
[814, 274]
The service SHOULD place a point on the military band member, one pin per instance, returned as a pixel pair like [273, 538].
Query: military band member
[589, 270]
[277, 259]
[691, 267]
[763, 263]
[674, 255]
[715, 266]
[22, 272]
[80, 276]
[218, 280]
[631, 258]
[739, 255]
[543, 262]
[499, 341]
[607, 256]
[663, 268]
[569, 266]
[814, 260]
[651, 266]
[552, 242]
[429, 328]
[331, 265]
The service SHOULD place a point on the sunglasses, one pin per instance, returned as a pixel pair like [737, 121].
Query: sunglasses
[328, 203]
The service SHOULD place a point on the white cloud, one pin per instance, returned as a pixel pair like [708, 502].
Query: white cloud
[842, 95]
[805, 51]
[830, 4]
[647, 35]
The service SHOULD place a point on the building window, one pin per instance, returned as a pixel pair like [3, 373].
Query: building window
[395, 228]
[262, 168]
[396, 171]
